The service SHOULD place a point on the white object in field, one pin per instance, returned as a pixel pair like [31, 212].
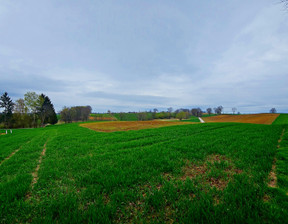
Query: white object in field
[10, 131]
[6, 132]
[201, 120]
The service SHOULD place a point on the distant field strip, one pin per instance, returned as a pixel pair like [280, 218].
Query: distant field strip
[282, 119]
[129, 125]
[246, 118]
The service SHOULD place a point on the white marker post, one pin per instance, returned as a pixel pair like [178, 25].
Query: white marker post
[201, 120]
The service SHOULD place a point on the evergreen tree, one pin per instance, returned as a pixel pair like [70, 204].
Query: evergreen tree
[51, 114]
[8, 105]
[46, 111]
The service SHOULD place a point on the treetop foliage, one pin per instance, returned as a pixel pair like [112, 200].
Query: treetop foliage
[32, 111]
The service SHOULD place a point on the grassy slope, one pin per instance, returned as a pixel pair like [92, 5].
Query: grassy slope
[192, 119]
[209, 115]
[281, 119]
[278, 196]
[95, 177]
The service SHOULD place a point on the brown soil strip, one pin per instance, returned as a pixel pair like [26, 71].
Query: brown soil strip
[280, 139]
[130, 125]
[272, 175]
[245, 118]
[266, 198]
[35, 173]
[13, 153]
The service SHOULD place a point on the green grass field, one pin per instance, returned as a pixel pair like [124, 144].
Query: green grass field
[192, 119]
[201, 173]
[126, 116]
[118, 116]
[209, 115]
[281, 119]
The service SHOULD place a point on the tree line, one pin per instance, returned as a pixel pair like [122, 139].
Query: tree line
[78, 113]
[34, 110]
[180, 114]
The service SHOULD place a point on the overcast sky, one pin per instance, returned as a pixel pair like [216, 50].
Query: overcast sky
[138, 55]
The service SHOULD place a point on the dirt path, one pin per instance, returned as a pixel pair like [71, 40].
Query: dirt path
[272, 175]
[35, 173]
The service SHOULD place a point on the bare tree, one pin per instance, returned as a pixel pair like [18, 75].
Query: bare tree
[170, 109]
[273, 110]
[197, 112]
[142, 116]
[218, 110]
[78, 113]
[234, 109]
[66, 115]
[209, 110]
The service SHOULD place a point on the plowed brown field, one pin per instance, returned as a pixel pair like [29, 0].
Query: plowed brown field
[246, 118]
[130, 125]
[102, 118]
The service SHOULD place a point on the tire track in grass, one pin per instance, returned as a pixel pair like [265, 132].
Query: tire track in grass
[272, 175]
[13, 153]
[35, 173]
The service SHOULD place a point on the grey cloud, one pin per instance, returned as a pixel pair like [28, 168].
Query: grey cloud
[143, 54]
[132, 99]
[17, 83]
